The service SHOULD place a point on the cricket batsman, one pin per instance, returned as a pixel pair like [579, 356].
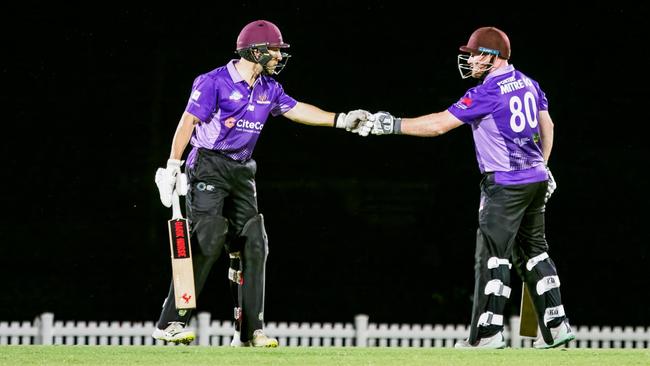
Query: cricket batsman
[513, 136]
[226, 111]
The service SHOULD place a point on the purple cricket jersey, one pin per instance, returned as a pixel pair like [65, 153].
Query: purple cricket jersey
[232, 113]
[504, 114]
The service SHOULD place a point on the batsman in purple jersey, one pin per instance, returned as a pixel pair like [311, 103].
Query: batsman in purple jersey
[225, 114]
[513, 137]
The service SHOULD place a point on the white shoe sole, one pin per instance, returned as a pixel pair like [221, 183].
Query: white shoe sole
[558, 342]
[183, 337]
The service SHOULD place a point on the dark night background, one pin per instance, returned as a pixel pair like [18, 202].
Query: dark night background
[379, 225]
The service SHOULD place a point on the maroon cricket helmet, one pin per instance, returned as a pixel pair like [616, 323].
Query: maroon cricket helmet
[488, 40]
[260, 32]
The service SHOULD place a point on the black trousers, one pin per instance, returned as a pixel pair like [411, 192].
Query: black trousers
[511, 225]
[221, 199]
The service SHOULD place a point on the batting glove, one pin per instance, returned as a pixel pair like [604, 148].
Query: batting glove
[552, 185]
[170, 178]
[351, 120]
[385, 124]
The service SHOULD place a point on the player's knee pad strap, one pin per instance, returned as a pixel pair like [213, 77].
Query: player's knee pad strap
[211, 233]
[532, 262]
[495, 262]
[497, 288]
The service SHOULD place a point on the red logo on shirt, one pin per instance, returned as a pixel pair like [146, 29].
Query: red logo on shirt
[466, 101]
[230, 122]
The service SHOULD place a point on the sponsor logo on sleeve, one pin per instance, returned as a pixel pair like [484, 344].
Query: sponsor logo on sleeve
[463, 103]
[195, 95]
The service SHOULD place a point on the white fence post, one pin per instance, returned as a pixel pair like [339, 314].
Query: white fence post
[361, 330]
[204, 328]
[45, 329]
[515, 338]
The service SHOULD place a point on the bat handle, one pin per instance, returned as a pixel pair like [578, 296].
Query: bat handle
[176, 206]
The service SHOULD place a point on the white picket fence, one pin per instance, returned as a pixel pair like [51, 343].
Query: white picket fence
[45, 330]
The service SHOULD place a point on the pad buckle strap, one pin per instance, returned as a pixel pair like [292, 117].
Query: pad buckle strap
[235, 276]
[552, 313]
[495, 262]
[532, 262]
[497, 288]
[547, 283]
[490, 318]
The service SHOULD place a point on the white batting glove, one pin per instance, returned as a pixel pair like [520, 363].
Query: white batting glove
[385, 124]
[351, 120]
[166, 180]
[364, 128]
[552, 185]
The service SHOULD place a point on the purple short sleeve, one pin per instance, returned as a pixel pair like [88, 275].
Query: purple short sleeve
[283, 102]
[202, 102]
[473, 106]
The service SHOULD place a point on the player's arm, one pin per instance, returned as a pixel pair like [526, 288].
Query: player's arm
[546, 133]
[311, 115]
[183, 134]
[430, 125]
[166, 178]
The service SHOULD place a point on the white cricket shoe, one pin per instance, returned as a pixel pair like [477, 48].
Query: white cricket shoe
[175, 333]
[261, 340]
[562, 334]
[236, 340]
[497, 341]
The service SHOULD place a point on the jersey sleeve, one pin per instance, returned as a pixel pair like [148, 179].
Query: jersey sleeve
[474, 105]
[203, 99]
[542, 102]
[282, 102]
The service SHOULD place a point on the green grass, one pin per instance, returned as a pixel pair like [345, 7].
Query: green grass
[195, 356]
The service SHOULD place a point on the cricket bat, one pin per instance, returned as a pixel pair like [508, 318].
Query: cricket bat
[527, 316]
[181, 255]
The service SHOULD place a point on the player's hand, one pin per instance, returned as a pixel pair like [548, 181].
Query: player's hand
[351, 120]
[552, 185]
[385, 123]
[166, 180]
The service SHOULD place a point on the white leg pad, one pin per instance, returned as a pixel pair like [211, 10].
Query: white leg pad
[497, 288]
[547, 283]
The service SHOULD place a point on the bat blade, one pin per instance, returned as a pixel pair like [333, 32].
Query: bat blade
[182, 270]
[527, 316]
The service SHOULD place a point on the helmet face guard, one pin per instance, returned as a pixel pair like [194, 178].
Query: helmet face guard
[263, 56]
[466, 68]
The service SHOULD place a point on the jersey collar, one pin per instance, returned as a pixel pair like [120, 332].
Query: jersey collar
[499, 71]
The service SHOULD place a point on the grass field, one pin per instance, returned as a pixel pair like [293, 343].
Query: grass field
[195, 356]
